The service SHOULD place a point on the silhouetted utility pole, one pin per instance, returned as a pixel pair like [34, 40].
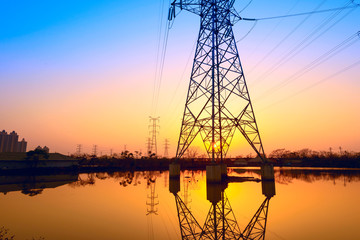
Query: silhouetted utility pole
[111, 152]
[95, 150]
[166, 151]
[153, 127]
[78, 149]
[218, 100]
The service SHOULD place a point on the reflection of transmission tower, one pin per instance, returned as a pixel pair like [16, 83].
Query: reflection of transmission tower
[152, 197]
[186, 194]
[220, 222]
[153, 132]
[166, 150]
[218, 100]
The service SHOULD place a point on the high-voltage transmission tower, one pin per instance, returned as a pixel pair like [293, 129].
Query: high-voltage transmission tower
[166, 150]
[154, 130]
[218, 100]
[78, 149]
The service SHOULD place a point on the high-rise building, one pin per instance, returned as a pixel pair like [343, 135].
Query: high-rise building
[10, 142]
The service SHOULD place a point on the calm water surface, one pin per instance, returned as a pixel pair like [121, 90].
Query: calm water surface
[308, 204]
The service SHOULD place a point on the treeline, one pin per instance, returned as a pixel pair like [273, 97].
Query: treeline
[310, 158]
[132, 161]
[308, 153]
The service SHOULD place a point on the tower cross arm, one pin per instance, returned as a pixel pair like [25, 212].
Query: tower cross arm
[196, 7]
[193, 6]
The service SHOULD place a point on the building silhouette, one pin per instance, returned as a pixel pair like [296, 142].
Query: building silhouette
[10, 142]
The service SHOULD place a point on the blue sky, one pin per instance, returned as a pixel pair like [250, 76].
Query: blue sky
[88, 68]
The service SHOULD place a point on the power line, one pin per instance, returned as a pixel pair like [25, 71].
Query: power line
[313, 85]
[273, 29]
[166, 37]
[323, 58]
[309, 39]
[158, 51]
[243, 37]
[246, 6]
[285, 38]
[301, 14]
[160, 68]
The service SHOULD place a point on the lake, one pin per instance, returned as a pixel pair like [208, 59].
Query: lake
[301, 204]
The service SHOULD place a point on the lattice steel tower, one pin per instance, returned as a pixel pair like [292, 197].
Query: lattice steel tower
[153, 127]
[218, 100]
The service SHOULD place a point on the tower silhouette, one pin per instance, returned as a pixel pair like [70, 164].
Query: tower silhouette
[218, 101]
[153, 127]
[95, 150]
[78, 149]
[166, 146]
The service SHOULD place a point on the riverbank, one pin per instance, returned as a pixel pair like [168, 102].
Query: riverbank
[61, 163]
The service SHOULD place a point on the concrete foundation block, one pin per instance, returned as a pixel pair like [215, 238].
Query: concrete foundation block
[174, 185]
[213, 192]
[174, 170]
[267, 172]
[268, 188]
[213, 173]
[223, 171]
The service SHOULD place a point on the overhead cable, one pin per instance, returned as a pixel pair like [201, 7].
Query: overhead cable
[313, 85]
[308, 40]
[323, 58]
[301, 14]
[286, 37]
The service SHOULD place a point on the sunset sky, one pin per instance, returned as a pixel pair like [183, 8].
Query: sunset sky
[83, 72]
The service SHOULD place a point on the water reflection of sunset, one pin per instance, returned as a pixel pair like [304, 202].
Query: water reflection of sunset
[105, 205]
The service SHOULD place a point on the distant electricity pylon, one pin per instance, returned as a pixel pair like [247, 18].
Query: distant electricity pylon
[78, 149]
[148, 145]
[95, 150]
[166, 150]
[218, 100]
[153, 128]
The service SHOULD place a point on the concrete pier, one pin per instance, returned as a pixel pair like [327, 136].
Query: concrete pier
[213, 173]
[174, 185]
[268, 188]
[267, 172]
[174, 170]
[223, 171]
[213, 192]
